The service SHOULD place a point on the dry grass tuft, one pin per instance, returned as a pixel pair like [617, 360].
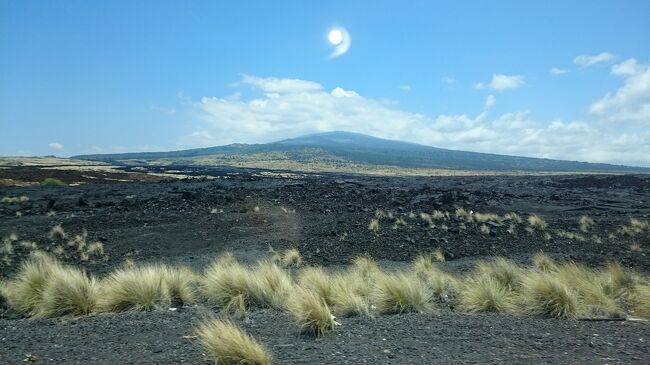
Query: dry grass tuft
[68, 291]
[135, 288]
[399, 293]
[641, 305]
[485, 294]
[374, 225]
[365, 266]
[350, 294]
[635, 247]
[57, 231]
[311, 312]
[291, 258]
[440, 215]
[318, 281]
[25, 292]
[269, 285]
[585, 223]
[462, 214]
[14, 199]
[227, 344]
[505, 272]
[635, 226]
[227, 285]
[485, 229]
[548, 296]
[544, 263]
[536, 222]
[487, 217]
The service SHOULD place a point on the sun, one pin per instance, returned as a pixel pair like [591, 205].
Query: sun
[335, 36]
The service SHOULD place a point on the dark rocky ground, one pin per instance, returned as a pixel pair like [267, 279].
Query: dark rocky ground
[326, 217]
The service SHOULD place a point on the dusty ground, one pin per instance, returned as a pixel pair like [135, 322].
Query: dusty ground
[158, 218]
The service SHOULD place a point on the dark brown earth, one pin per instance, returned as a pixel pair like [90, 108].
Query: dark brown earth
[326, 217]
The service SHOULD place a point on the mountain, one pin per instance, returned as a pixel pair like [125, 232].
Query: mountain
[352, 149]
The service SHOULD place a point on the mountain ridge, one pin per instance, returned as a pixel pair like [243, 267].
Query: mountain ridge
[341, 147]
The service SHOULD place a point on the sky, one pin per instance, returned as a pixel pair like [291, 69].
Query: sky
[554, 79]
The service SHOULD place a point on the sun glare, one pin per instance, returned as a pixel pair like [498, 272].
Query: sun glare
[335, 36]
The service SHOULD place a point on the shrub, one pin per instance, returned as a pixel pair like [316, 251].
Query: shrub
[398, 293]
[24, 293]
[485, 294]
[68, 291]
[135, 288]
[51, 181]
[291, 258]
[227, 344]
[311, 312]
[546, 295]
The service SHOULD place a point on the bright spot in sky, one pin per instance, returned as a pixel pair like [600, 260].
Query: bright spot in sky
[335, 36]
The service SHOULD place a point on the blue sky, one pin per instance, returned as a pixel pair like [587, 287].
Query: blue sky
[108, 76]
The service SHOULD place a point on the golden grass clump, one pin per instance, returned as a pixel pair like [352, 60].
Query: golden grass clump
[505, 272]
[269, 285]
[589, 290]
[135, 288]
[349, 294]
[227, 344]
[485, 229]
[544, 262]
[311, 312]
[619, 281]
[641, 305]
[57, 231]
[227, 285]
[571, 235]
[585, 223]
[180, 283]
[318, 281]
[68, 291]
[374, 225]
[291, 258]
[485, 294]
[462, 214]
[536, 222]
[439, 215]
[487, 217]
[365, 266]
[513, 217]
[399, 293]
[548, 296]
[14, 199]
[635, 226]
[24, 293]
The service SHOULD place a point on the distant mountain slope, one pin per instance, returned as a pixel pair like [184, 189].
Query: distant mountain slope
[346, 147]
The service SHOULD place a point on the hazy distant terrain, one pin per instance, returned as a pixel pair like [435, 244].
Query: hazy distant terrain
[344, 151]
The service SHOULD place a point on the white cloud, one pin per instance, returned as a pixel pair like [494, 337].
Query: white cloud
[490, 101]
[55, 146]
[558, 71]
[294, 111]
[502, 82]
[627, 67]
[631, 102]
[589, 60]
[405, 87]
[276, 85]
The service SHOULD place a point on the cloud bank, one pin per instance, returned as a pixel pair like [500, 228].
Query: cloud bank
[293, 107]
